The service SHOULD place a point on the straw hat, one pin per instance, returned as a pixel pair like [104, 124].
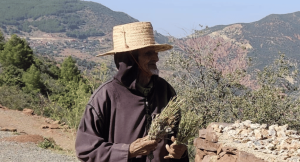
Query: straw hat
[132, 36]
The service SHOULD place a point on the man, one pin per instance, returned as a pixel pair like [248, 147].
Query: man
[117, 117]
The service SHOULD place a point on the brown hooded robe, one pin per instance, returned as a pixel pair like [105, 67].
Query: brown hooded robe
[115, 116]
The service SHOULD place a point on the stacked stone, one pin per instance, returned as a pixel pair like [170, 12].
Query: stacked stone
[275, 143]
[275, 140]
[209, 149]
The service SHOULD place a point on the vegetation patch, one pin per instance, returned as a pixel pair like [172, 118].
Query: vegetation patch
[60, 92]
[49, 143]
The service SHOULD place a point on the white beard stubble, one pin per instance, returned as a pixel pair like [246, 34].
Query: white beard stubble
[154, 72]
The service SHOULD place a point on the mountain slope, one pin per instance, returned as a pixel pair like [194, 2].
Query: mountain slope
[57, 16]
[263, 39]
[61, 28]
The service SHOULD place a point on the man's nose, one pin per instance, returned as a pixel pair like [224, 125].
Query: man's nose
[154, 57]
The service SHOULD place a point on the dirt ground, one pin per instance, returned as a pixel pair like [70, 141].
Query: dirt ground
[29, 128]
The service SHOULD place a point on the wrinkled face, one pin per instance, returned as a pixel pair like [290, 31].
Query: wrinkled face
[147, 59]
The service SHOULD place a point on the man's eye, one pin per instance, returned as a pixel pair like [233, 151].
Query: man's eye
[151, 53]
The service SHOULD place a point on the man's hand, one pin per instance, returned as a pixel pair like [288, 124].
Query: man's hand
[175, 150]
[142, 146]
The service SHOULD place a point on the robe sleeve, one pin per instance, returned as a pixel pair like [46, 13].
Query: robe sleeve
[92, 135]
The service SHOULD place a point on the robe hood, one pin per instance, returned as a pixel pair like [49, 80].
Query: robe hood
[127, 69]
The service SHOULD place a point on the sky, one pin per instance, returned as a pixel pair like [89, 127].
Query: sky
[180, 17]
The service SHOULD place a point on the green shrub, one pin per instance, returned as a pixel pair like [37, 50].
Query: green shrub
[217, 95]
[14, 98]
[49, 143]
[16, 52]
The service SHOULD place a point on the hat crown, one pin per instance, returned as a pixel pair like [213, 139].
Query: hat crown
[133, 35]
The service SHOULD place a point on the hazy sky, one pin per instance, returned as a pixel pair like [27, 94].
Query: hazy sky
[179, 17]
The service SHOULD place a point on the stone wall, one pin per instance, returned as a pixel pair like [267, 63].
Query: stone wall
[247, 142]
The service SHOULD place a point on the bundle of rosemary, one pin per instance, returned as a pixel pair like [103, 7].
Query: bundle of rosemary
[188, 126]
[163, 123]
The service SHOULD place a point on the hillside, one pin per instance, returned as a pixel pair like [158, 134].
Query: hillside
[82, 29]
[61, 28]
[263, 39]
[78, 18]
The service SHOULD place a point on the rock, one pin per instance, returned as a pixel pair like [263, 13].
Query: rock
[275, 143]
[258, 134]
[246, 157]
[238, 131]
[219, 150]
[228, 158]
[281, 128]
[254, 126]
[265, 133]
[237, 122]
[9, 129]
[216, 128]
[275, 152]
[291, 132]
[263, 126]
[250, 144]
[199, 155]
[242, 126]
[215, 124]
[221, 127]
[65, 127]
[44, 127]
[283, 145]
[281, 134]
[54, 126]
[202, 133]
[272, 131]
[222, 154]
[270, 146]
[247, 123]
[56, 122]
[205, 145]
[226, 129]
[258, 145]
[294, 159]
[48, 120]
[211, 137]
[229, 150]
[245, 132]
[28, 111]
[210, 158]
[295, 137]
[231, 133]
[3, 107]
[207, 152]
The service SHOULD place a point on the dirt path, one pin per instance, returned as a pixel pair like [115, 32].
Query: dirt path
[32, 125]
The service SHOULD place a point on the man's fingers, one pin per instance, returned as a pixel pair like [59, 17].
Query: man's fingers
[150, 143]
[145, 138]
[168, 157]
[168, 148]
[173, 139]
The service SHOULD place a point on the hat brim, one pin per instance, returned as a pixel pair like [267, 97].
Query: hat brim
[157, 48]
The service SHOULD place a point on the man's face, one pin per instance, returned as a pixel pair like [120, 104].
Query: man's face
[147, 59]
